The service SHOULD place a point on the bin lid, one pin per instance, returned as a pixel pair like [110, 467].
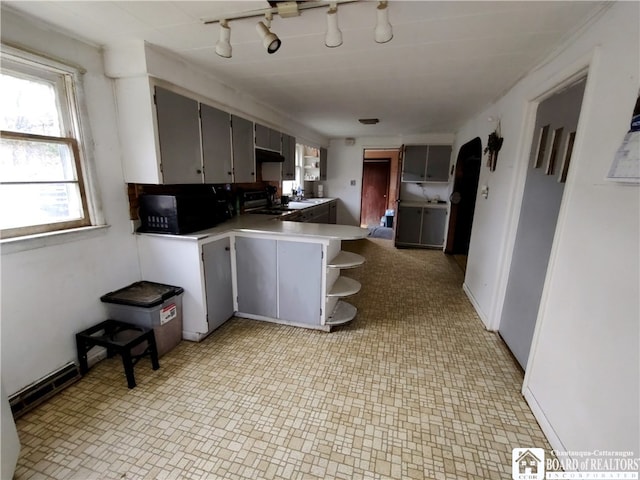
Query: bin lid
[142, 294]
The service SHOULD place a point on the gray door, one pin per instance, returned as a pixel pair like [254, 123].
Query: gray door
[217, 278]
[216, 144]
[556, 123]
[299, 282]
[179, 136]
[256, 272]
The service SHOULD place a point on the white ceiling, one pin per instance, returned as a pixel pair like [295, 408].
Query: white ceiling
[446, 61]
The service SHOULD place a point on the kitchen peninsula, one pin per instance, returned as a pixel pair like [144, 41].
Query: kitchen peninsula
[262, 267]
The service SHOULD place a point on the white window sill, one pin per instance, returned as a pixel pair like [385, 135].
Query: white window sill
[40, 240]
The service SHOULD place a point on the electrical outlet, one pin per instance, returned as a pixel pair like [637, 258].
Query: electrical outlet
[353, 183]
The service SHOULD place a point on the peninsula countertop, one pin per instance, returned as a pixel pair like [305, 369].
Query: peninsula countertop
[276, 225]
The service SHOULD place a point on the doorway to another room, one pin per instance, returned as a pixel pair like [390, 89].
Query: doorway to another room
[380, 178]
[463, 201]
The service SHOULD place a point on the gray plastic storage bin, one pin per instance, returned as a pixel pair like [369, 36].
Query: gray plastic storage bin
[151, 305]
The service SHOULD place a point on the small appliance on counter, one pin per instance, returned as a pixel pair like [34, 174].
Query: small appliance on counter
[181, 213]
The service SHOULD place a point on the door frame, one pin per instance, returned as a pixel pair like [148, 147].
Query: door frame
[554, 84]
[395, 156]
[452, 224]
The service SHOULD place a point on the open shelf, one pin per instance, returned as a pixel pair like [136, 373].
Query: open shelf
[343, 287]
[343, 313]
[346, 260]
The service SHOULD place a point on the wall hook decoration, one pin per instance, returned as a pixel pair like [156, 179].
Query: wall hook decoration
[494, 144]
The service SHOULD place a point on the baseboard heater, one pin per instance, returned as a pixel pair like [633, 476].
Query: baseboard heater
[43, 389]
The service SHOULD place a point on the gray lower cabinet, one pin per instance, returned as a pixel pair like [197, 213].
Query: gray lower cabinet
[216, 257]
[244, 160]
[420, 226]
[433, 223]
[299, 282]
[256, 263]
[216, 145]
[179, 137]
[409, 225]
[333, 212]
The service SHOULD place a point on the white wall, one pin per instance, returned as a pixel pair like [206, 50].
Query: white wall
[49, 293]
[345, 164]
[135, 58]
[583, 377]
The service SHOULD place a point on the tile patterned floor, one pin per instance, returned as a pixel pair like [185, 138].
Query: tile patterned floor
[413, 388]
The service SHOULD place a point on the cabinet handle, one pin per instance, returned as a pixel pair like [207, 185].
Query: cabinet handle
[228, 173]
[253, 173]
[198, 171]
[227, 248]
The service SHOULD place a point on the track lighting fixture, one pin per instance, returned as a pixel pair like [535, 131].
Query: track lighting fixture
[333, 38]
[383, 32]
[286, 9]
[270, 40]
[223, 47]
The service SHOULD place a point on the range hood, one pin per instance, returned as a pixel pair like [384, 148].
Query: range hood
[268, 156]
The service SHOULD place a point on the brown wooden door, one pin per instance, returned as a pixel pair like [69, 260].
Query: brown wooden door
[375, 188]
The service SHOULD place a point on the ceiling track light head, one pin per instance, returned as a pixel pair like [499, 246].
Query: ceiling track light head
[270, 40]
[223, 47]
[383, 32]
[333, 37]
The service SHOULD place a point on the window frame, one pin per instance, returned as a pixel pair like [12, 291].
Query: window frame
[66, 80]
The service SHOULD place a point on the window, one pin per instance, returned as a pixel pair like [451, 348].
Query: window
[41, 172]
[288, 186]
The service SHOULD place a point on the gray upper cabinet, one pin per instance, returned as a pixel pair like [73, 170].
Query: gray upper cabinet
[438, 161]
[413, 164]
[289, 153]
[216, 257]
[323, 163]
[179, 137]
[244, 160]
[216, 145]
[426, 163]
[267, 138]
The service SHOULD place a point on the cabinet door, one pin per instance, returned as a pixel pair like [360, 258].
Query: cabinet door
[299, 282]
[438, 163]
[333, 212]
[275, 140]
[323, 163]
[262, 136]
[433, 223]
[216, 144]
[179, 137]
[409, 225]
[244, 160]
[216, 257]
[414, 163]
[256, 264]
[289, 153]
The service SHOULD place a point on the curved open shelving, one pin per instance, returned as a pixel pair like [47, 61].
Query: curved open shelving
[343, 287]
[346, 260]
[343, 313]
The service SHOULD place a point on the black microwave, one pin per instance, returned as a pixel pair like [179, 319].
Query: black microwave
[179, 213]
